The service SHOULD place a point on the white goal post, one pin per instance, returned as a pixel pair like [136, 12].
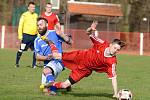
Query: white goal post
[141, 43]
[3, 37]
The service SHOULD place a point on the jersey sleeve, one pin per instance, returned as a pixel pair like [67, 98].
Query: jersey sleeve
[20, 27]
[96, 40]
[60, 38]
[111, 72]
[42, 14]
[56, 20]
[37, 48]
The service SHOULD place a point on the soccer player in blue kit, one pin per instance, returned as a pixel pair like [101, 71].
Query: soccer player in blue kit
[48, 48]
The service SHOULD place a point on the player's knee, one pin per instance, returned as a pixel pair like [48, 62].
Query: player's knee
[47, 70]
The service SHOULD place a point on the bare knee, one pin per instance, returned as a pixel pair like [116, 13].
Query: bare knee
[47, 70]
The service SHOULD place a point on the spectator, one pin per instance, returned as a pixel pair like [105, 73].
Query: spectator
[53, 20]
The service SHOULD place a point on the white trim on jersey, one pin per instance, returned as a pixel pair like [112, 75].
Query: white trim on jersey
[107, 52]
[114, 69]
[57, 18]
[97, 39]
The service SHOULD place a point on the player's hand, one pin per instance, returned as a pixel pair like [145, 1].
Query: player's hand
[92, 28]
[57, 55]
[94, 24]
[49, 56]
[19, 43]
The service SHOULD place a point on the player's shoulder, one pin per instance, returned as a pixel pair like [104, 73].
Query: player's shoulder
[103, 45]
[37, 38]
[42, 14]
[54, 14]
[36, 14]
[51, 32]
[25, 13]
[106, 42]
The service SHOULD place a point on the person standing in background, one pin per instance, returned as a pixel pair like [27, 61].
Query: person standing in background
[27, 32]
[53, 20]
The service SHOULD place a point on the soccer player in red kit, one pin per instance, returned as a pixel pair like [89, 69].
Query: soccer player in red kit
[100, 58]
[53, 20]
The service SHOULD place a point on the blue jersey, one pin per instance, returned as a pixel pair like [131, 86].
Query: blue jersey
[42, 48]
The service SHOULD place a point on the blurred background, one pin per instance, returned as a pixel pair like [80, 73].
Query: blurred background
[124, 19]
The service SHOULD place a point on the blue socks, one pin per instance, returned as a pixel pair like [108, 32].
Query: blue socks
[50, 78]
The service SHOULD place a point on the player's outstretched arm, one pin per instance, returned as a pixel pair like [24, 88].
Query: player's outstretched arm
[43, 58]
[92, 28]
[91, 32]
[66, 37]
[114, 85]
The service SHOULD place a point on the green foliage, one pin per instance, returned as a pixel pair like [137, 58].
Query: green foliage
[23, 83]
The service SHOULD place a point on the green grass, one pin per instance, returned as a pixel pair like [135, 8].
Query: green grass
[23, 83]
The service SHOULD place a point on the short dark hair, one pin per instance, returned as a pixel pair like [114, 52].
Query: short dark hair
[41, 18]
[31, 3]
[48, 3]
[119, 42]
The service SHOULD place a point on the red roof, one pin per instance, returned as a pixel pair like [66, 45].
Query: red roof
[91, 8]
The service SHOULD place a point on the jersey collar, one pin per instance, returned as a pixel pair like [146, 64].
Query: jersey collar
[107, 52]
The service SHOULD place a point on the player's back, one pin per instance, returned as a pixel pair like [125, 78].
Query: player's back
[93, 57]
[96, 60]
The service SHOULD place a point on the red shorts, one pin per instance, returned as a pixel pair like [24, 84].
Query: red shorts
[79, 71]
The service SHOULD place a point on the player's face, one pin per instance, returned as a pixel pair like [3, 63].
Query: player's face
[42, 27]
[48, 8]
[31, 8]
[114, 48]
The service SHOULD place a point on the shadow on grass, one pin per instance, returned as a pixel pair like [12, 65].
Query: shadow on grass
[37, 66]
[92, 94]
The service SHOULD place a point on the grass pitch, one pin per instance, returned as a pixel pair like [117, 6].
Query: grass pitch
[23, 83]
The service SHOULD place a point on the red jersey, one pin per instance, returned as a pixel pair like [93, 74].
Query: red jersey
[52, 20]
[92, 59]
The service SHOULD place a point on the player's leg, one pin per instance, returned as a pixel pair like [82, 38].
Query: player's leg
[31, 45]
[21, 49]
[51, 72]
[70, 56]
[34, 61]
[19, 53]
[68, 59]
[43, 81]
[75, 76]
[48, 72]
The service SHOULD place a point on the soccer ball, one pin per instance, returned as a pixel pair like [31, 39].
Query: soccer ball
[124, 94]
